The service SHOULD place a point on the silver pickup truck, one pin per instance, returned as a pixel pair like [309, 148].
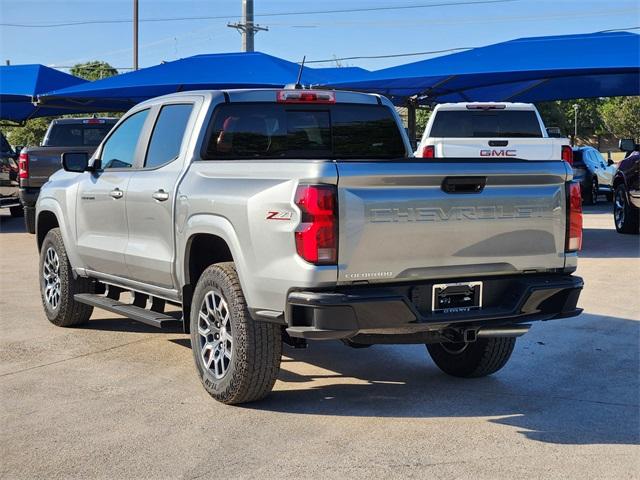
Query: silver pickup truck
[286, 215]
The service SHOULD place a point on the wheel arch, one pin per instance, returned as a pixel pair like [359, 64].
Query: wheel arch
[46, 221]
[207, 239]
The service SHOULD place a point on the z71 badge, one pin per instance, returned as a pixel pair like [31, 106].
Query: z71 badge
[279, 215]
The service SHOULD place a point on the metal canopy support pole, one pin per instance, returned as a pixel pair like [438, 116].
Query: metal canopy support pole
[411, 122]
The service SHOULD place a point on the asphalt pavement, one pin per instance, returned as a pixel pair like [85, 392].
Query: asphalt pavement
[119, 400]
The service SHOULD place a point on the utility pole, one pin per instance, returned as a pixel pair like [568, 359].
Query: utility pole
[247, 28]
[135, 34]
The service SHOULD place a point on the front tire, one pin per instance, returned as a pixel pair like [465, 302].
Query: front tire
[237, 358]
[58, 286]
[625, 216]
[478, 359]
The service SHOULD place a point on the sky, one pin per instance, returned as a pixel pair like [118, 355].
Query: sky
[381, 27]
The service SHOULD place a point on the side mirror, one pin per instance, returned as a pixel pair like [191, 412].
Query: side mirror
[627, 144]
[75, 161]
[18, 148]
[610, 162]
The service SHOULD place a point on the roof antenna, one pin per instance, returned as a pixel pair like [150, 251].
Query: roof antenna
[298, 85]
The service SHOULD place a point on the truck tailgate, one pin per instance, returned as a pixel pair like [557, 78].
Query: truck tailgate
[397, 222]
[529, 148]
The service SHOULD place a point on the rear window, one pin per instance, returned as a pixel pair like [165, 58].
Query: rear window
[265, 131]
[486, 123]
[77, 135]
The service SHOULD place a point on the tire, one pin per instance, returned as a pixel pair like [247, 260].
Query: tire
[478, 359]
[625, 217]
[248, 359]
[55, 272]
[16, 211]
[30, 219]
[609, 196]
[591, 195]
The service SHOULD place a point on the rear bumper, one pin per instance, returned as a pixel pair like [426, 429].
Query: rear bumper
[405, 310]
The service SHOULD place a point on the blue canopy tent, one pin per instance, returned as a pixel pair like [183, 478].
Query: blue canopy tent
[526, 69]
[21, 84]
[211, 71]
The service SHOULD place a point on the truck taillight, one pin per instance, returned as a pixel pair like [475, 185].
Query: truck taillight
[23, 165]
[574, 218]
[317, 235]
[567, 154]
[306, 96]
[429, 151]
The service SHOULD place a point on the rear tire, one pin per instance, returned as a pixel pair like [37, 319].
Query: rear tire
[58, 286]
[30, 219]
[478, 359]
[591, 195]
[237, 358]
[16, 211]
[625, 217]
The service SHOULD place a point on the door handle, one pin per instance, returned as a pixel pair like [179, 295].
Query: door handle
[463, 184]
[116, 193]
[160, 195]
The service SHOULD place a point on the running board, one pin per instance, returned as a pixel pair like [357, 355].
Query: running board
[139, 314]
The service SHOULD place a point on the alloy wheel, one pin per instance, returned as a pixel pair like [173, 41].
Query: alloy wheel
[214, 331]
[51, 278]
[618, 208]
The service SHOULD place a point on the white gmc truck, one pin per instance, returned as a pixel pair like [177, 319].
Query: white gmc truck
[490, 130]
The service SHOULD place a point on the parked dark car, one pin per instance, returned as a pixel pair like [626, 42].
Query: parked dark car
[626, 184]
[9, 178]
[594, 174]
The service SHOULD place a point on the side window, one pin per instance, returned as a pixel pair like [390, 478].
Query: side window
[119, 150]
[167, 135]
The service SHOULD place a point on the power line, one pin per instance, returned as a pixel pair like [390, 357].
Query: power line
[278, 14]
[393, 55]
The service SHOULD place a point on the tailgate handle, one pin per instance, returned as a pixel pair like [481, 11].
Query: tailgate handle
[498, 143]
[463, 184]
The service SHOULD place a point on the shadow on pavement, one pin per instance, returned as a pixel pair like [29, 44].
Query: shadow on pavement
[10, 224]
[555, 391]
[607, 243]
[121, 324]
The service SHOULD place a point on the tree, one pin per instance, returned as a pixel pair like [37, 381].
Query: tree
[31, 134]
[93, 70]
[562, 114]
[423, 113]
[620, 116]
